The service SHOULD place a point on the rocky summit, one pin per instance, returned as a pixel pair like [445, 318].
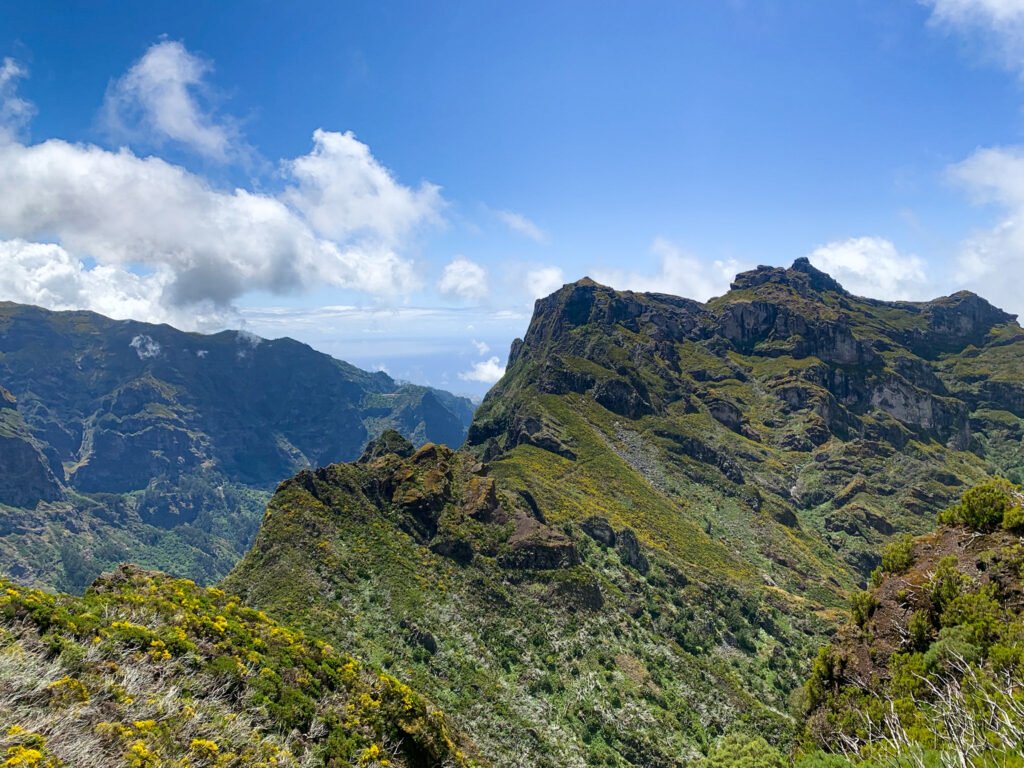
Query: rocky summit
[786, 401]
[127, 441]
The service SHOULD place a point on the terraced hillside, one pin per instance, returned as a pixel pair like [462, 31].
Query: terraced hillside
[126, 441]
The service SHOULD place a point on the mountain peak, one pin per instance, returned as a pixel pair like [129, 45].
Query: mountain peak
[802, 276]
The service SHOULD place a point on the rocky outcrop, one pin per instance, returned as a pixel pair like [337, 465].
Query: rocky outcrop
[26, 477]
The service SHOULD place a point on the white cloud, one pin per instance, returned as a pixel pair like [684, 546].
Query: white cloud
[544, 281]
[48, 276]
[519, 223]
[463, 279]
[992, 262]
[679, 273]
[15, 112]
[168, 246]
[487, 371]
[162, 97]
[145, 346]
[198, 245]
[482, 347]
[997, 26]
[343, 192]
[977, 11]
[872, 266]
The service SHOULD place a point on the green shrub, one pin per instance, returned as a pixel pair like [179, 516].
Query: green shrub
[862, 606]
[986, 506]
[898, 556]
[741, 751]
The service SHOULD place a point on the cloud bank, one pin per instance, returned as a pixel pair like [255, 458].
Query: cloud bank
[163, 243]
[872, 266]
[163, 97]
[679, 273]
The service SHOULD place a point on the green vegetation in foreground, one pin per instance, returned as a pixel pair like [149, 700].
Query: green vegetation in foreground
[931, 673]
[147, 671]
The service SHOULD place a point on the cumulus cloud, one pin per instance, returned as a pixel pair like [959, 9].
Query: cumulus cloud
[121, 209]
[463, 279]
[522, 225]
[992, 262]
[166, 245]
[164, 97]
[872, 266]
[198, 245]
[997, 25]
[544, 281]
[45, 274]
[680, 273]
[344, 192]
[15, 112]
[482, 347]
[486, 371]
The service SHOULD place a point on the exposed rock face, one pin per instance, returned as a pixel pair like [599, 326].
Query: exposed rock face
[628, 547]
[732, 393]
[389, 441]
[599, 530]
[25, 474]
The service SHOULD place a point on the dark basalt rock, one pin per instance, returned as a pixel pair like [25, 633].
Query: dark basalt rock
[417, 636]
[390, 441]
[628, 547]
[535, 546]
[459, 550]
[621, 397]
[599, 530]
[576, 594]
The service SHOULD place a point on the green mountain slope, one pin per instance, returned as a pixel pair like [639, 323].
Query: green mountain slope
[550, 644]
[932, 668]
[147, 671]
[164, 445]
[784, 413]
[657, 515]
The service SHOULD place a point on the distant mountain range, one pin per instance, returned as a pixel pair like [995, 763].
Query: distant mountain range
[125, 440]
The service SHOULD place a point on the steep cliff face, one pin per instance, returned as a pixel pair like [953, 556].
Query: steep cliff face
[186, 434]
[26, 476]
[846, 418]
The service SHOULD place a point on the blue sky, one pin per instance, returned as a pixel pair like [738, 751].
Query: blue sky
[395, 183]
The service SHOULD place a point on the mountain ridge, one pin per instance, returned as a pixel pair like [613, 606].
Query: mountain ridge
[146, 433]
